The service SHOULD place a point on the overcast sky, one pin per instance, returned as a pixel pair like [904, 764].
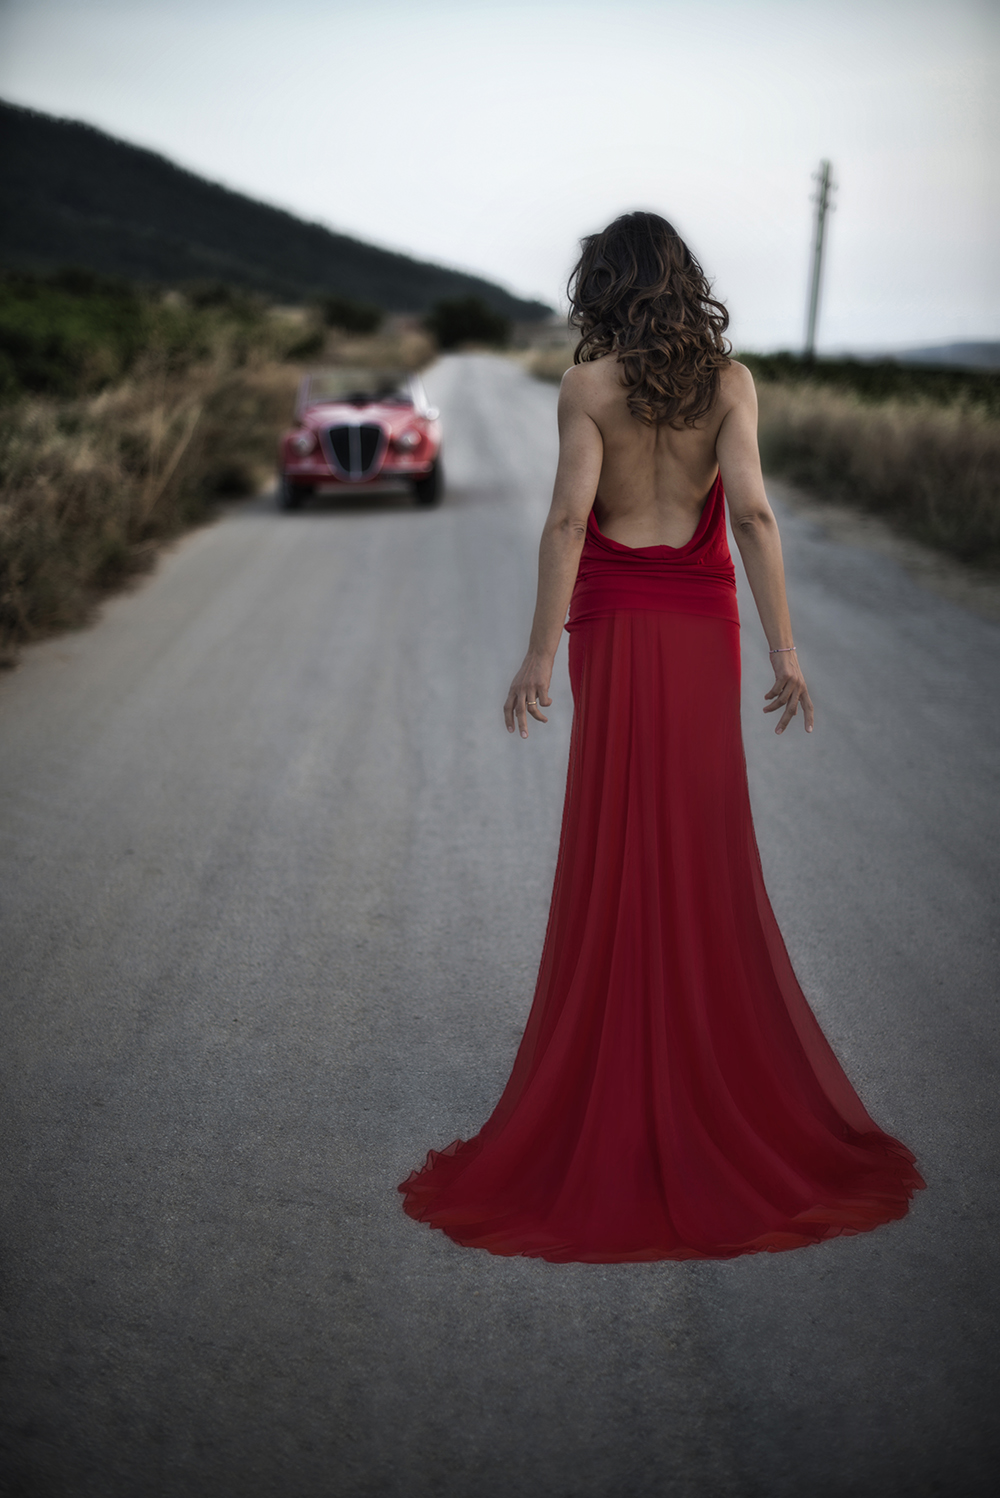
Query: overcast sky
[491, 134]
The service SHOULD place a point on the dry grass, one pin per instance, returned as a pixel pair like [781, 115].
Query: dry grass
[932, 470]
[93, 486]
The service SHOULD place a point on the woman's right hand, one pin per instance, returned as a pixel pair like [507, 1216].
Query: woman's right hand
[529, 691]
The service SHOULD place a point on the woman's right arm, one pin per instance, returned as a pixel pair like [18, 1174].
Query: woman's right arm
[756, 533]
[581, 453]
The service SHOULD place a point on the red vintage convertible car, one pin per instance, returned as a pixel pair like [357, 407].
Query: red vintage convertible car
[361, 426]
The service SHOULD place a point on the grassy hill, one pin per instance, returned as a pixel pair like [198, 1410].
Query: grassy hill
[72, 195]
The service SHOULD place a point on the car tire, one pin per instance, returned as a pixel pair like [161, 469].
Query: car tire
[290, 496]
[428, 489]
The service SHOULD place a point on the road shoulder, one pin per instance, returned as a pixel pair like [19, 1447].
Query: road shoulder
[972, 588]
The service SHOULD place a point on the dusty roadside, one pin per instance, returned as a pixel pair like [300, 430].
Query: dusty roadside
[975, 589]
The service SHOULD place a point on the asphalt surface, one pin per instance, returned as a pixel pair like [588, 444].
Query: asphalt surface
[275, 882]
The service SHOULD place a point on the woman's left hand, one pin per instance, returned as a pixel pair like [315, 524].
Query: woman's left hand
[528, 692]
[789, 692]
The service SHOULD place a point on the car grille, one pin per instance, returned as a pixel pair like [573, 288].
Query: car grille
[355, 451]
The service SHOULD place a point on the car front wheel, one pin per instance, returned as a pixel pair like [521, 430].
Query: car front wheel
[427, 489]
[290, 496]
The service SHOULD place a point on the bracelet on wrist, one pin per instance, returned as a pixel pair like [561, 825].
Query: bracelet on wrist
[781, 649]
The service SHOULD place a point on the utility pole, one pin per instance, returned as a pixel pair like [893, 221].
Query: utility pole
[821, 198]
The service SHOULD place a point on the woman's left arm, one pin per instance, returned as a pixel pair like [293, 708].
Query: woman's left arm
[756, 533]
[581, 453]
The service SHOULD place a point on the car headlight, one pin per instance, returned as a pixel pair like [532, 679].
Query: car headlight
[304, 442]
[407, 440]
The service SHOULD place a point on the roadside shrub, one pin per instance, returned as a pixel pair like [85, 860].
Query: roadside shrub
[467, 319]
[309, 346]
[349, 316]
[92, 487]
[235, 300]
[68, 332]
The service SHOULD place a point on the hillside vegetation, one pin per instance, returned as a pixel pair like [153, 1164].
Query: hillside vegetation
[74, 332]
[75, 196]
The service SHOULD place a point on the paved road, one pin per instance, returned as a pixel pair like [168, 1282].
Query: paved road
[274, 894]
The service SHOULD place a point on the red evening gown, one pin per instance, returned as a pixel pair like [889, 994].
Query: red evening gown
[673, 1096]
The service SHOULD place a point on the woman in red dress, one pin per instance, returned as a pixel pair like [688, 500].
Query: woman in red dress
[673, 1096]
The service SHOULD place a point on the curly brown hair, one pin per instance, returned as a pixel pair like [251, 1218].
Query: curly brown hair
[638, 292]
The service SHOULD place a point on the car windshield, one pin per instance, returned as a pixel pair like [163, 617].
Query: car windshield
[358, 386]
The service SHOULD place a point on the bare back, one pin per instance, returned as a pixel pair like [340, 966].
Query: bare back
[654, 479]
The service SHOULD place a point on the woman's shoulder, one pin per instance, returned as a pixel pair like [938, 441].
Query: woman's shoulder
[735, 377]
[594, 371]
[736, 387]
[594, 379]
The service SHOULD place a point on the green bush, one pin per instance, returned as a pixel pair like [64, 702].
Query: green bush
[67, 333]
[308, 346]
[350, 317]
[234, 300]
[467, 319]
